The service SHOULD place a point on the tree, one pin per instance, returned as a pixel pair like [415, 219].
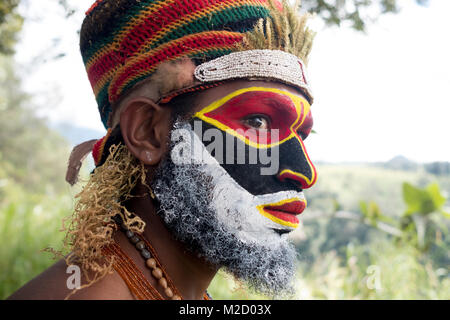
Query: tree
[10, 24]
[333, 12]
[30, 153]
[353, 12]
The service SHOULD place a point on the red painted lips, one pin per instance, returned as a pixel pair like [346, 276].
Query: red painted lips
[287, 211]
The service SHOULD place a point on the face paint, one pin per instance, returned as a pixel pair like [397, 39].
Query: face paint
[229, 213]
[284, 112]
[243, 213]
[218, 220]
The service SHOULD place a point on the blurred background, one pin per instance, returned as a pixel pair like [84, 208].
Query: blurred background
[377, 221]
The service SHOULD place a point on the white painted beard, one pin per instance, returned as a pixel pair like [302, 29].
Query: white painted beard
[218, 220]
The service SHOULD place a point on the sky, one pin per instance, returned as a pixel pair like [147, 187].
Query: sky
[377, 95]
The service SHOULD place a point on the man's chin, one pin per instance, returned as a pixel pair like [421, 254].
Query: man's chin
[266, 270]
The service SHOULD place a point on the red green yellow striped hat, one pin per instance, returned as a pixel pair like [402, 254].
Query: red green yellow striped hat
[179, 46]
[127, 42]
[126, 47]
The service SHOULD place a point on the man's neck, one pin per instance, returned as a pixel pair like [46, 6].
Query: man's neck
[191, 275]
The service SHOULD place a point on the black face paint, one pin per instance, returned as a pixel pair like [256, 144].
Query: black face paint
[261, 166]
[287, 157]
[218, 220]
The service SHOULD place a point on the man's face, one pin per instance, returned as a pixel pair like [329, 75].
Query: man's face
[255, 130]
[232, 187]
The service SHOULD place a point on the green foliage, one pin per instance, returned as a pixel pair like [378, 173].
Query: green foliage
[352, 12]
[68, 8]
[32, 168]
[10, 24]
[345, 186]
[423, 201]
[372, 212]
[379, 270]
[424, 216]
[356, 14]
[30, 153]
[225, 287]
[29, 222]
[337, 250]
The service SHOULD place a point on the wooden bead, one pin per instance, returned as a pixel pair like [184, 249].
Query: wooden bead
[163, 282]
[176, 297]
[169, 292]
[157, 273]
[151, 263]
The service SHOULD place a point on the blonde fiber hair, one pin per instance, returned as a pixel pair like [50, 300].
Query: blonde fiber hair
[284, 30]
[101, 199]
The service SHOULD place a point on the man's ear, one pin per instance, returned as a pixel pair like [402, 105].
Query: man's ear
[145, 129]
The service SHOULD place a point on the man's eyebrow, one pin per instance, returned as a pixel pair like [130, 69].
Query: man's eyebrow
[284, 102]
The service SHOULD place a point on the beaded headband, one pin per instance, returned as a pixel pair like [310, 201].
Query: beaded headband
[256, 64]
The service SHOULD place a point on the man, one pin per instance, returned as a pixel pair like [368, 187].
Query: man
[207, 106]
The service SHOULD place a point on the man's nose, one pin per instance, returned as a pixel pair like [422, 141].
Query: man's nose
[295, 165]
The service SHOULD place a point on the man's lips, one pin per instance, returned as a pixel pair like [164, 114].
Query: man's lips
[288, 211]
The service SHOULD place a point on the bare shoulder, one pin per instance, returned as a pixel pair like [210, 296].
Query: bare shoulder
[55, 283]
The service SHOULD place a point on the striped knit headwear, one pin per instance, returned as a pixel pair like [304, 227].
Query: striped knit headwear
[141, 34]
[179, 46]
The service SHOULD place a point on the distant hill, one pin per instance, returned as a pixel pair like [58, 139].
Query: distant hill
[401, 163]
[397, 163]
[439, 168]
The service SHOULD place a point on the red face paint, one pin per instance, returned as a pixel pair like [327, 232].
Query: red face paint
[281, 112]
[305, 127]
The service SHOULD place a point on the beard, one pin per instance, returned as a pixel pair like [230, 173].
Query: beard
[216, 219]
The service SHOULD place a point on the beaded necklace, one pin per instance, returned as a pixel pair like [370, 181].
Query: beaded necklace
[133, 277]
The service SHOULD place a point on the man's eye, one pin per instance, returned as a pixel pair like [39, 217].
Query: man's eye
[257, 122]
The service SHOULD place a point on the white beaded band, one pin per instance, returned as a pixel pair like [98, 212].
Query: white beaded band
[257, 64]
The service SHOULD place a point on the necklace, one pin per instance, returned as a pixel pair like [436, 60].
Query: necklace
[134, 278]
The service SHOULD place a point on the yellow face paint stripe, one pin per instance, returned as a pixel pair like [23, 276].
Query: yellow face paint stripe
[275, 219]
[298, 102]
[298, 175]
